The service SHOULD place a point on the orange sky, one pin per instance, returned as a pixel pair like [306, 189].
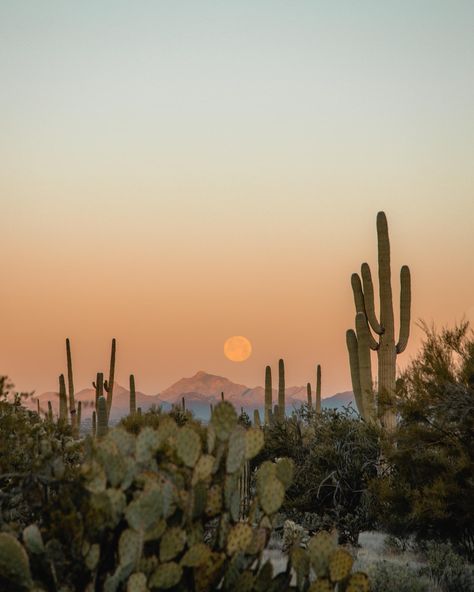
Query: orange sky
[172, 178]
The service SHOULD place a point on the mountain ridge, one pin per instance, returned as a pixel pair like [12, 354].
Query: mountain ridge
[199, 391]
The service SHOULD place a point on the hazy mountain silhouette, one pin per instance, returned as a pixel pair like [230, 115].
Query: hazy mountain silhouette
[199, 392]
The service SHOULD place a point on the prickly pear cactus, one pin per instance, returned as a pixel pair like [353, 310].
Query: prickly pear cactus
[162, 510]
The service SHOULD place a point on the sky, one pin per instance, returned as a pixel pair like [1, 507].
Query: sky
[174, 173]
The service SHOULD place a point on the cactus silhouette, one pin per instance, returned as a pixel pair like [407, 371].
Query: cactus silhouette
[133, 398]
[99, 387]
[256, 418]
[94, 423]
[281, 388]
[50, 411]
[268, 394]
[102, 418]
[70, 384]
[79, 416]
[309, 395]
[109, 384]
[361, 341]
[318, 389]
[62, 400]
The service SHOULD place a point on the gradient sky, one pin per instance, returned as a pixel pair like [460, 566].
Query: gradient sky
[174, 173]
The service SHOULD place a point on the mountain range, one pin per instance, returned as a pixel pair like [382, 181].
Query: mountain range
[199, 392]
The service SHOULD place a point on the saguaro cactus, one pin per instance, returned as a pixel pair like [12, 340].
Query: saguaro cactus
[318, 389]
[133, 398]
[256, 418]
[50, 411]
[102, 417]
[268, 394]
[309, 395]
[70, 384]
[109, 385]
[362, 341]
[94, 423]
[62, 400]
[281, 388]
[99, 387]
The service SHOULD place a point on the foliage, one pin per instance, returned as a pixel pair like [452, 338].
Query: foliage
[448, 569]
[428, 487]
[335, 456]
[389, 577]
[35, 456]
[162, 510]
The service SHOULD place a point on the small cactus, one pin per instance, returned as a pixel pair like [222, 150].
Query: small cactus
[70, 382]
[268, 394]
[133, 397]
[281, 388]
[256, 418]
[318, 389]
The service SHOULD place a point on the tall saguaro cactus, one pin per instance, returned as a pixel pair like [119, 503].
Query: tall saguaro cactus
[70, 384]
[62, 400]
[281, 388]
[361, 341]
[99, 387]
[102, 417]
[268, 394]
[109, 384]
[318, 389]
[309, 395]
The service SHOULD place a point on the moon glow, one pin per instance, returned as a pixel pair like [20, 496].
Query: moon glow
[237, 348]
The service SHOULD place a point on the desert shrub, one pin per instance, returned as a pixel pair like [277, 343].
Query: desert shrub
[161, 510]
[335, 456]
[390, 577]
[35, 456]
[447, 568]
[428, 486]
[135, 422]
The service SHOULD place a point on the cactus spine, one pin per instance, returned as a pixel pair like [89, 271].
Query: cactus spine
[281, 388]
[62, 400]
[361, 342]
[70, 384]
[309, 395]
[318, 389]
[102, 417]
[268, 394]
[109, 385]
[133, 397]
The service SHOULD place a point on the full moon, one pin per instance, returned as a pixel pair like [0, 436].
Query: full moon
[237, 348]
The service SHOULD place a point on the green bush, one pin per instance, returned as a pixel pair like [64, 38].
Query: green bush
[427, 488]
[389, 577]
[36, 455]
[448, 569]
[335, 456]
